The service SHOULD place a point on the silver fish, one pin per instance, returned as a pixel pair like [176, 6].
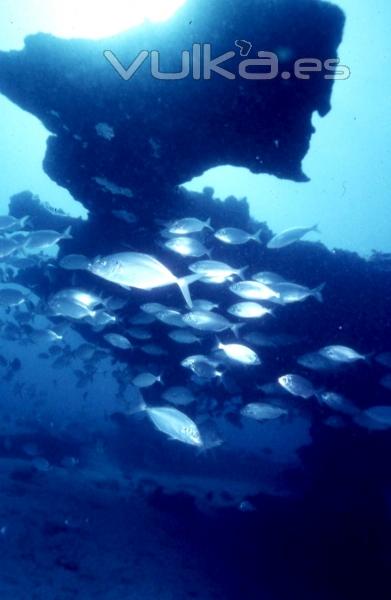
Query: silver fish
[290, 293]
[175, 424]
[118, 341]
[171, 317]
[40, 240]
[8, 246]
[182, 336]
[12, 297]
[290, 236]
[381, 414]
[74, 262]
[186, 246]
[208, 321]
[152, 308]
[202, 366]
[341, 354]
[253, 290]
[268, 278]
[249, 310]
[338, 403]
[139, 334]
[153, 350]
[297, 386]
[189, 225]
[62, 307]
[262, 412]
[140, 271]
[146, 380]
[204, 305]
[237, 237]
[178, 395]
[215, 269]
[9, 223]
[240, 353]
[315, 362]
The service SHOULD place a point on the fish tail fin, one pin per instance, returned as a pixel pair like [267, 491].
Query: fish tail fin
[241, 272]
[67, 234]
[318, 292]
[209, 253]
[160, 379]
[316, 228]
[208, 224]
[257, 236]
[24, 221]
[236, 329]
[184, 283]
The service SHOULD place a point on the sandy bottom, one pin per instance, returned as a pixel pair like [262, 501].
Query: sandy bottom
[64, 537]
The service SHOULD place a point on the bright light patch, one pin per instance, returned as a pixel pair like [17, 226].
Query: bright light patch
[94, 20]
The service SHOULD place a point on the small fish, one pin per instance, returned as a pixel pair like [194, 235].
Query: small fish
[290, 236]
[290, 293]
[315, 362]
[186, 246]
[152, 308]
[182, 336]
[153, 350]
[9, 223]
[126, 216]
[247, 507]
[204, 305]
[249, 310]
[338, 403]
[41, 464]
[189, 225]
[140, 271]
[101, 319]
[240, 353]
[45, 336]
[201, 366]
[12, 297]
[8, 246]
[237, 237]
[297, 386]
[62, 307]
[262, 412]
[268, 278]
[146, 380]
[381, 414]
[41, 240]
[118, 341]
[178, 395]
[253, 290]
[341, 354]
[209, 321]
[171, 317]
[74, 262]
[215, 269]
[139, 334]
[79, 296]
[176, 425]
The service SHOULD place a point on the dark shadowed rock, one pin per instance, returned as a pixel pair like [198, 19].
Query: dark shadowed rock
[120, 143]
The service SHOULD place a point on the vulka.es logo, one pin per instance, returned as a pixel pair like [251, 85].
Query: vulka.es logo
[200, 65]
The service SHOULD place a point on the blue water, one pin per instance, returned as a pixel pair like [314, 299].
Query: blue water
[102, 493]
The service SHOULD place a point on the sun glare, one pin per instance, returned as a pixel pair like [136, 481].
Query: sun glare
[94, 20]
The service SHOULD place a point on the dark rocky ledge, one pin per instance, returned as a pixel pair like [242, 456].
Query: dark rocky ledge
[167, 132]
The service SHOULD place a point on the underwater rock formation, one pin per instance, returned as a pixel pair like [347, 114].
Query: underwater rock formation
[118, 143]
